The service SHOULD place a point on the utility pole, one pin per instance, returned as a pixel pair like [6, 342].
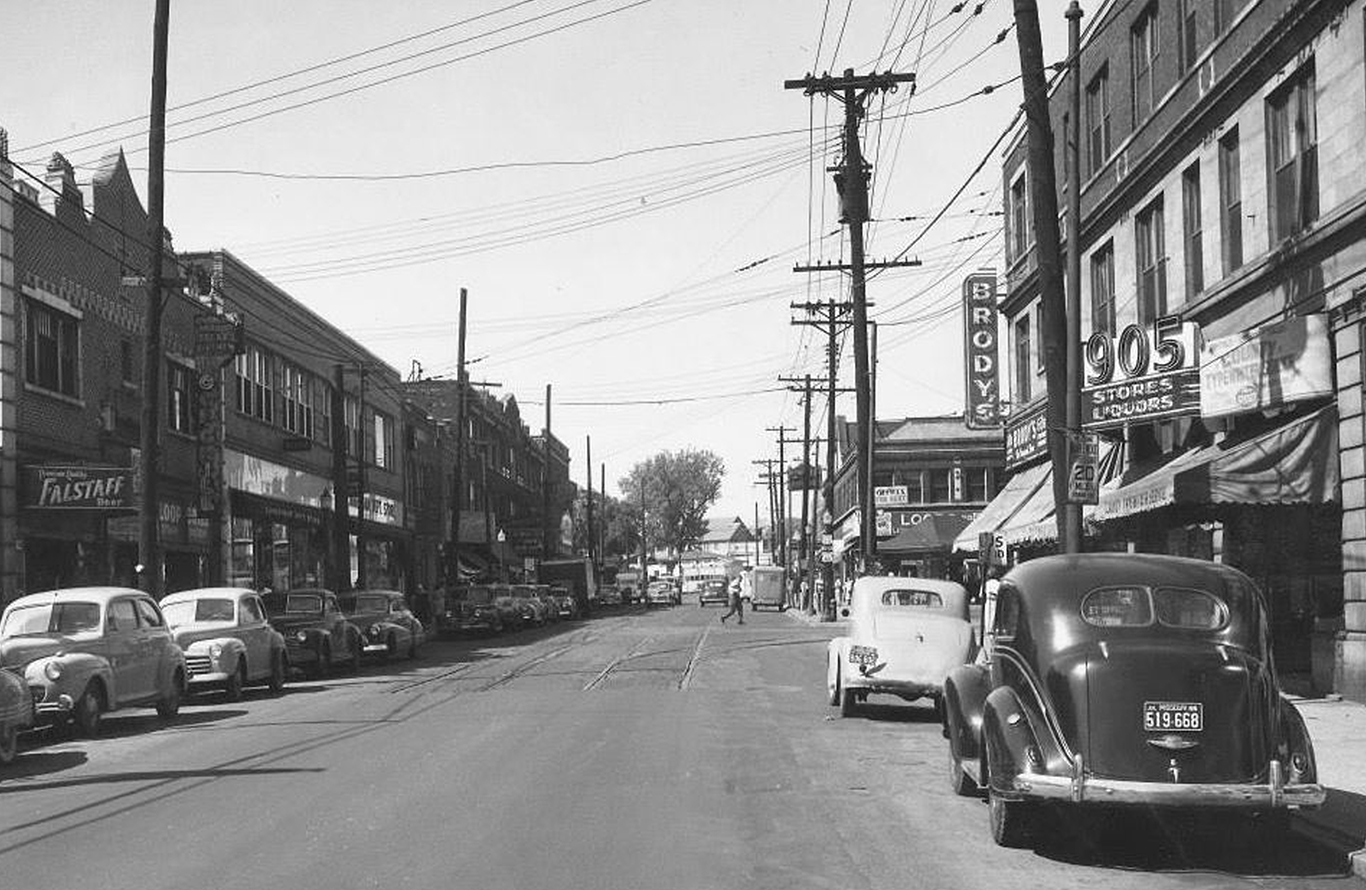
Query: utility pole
[757, 535]
[458, 480]
[851, 181]
[644, 577]
[870, 448]
[588, 461]
[1071, 513]
[149, 440]
[602, 526]
[767, 478]
[339, 552]
[806, 482]
[1043, 193]
[362, 563]
[547, 538]
[781, 501]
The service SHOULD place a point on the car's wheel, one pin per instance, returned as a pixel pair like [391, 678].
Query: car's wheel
[832, 682]
[848, 703]
[89, 708]
[960, 781]
[169, 704]
[1012, 821]
[277, 673]
[9, 742]
[232, 687]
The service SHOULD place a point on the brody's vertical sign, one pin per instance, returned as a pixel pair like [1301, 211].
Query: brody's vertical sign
[980, 351]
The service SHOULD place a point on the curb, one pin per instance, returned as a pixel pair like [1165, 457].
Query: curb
[1329, 835]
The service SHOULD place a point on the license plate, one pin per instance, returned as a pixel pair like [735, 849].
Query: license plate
[864, 655]
[1173, 716]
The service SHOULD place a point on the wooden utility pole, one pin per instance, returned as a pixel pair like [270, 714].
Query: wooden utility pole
[806, 484]
[1043, 193]
[781, 496]
[869, 447]
[602, 525]
[588, 460]
[1070, 530]
[851, 181]
[149, 441]
[458, 471]
[362, 562]
[339, 551]
[547, 534]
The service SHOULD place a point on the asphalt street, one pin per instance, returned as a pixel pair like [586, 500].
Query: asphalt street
[641, 749]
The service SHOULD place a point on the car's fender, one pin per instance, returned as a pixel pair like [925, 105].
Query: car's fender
[173, 662]
[834, 658]
[965, 695]
[227, 660]
[1295, 740]
[77, 670]
[1016, 739]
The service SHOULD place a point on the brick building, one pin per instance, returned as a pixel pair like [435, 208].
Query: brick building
[1223, 245]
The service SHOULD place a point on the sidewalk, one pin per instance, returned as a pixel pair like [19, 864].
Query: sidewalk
[1338, 730]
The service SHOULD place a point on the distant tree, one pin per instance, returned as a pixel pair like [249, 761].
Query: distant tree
[678, 488]
[616, 523]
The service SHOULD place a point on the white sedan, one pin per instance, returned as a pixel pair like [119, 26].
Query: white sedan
[227, 641]
[905, 635]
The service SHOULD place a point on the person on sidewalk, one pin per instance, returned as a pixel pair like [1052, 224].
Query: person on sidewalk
[737, 605]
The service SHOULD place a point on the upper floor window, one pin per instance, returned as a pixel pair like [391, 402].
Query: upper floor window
[52, 349]
[1098, 119]
[978, 484]
[296, 400]
[1191, 229]
[1019, 217]
[1187, 35]
[1038, 332]
[1230, 201]
[355, 435]
[256, 384]
[1292, 148]
[1103, 290]
[384, 441]
[940, 486]
[180, 399]
[1224, 11]
[126, 363]
[322, 404]
[1023, 369]
[1143, 47]
[1151, 262]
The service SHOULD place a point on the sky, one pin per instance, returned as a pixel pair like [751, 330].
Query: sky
[623, 188]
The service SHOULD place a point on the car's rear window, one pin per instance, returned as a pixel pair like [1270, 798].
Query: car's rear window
[1177, 607]
[63, 618]
[922, 599]
[201, 610]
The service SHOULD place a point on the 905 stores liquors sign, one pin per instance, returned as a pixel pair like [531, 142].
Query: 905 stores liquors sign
[1144, 374]
[981, 352]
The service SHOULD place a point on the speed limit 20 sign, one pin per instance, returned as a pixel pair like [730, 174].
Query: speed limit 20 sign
[1083, 470]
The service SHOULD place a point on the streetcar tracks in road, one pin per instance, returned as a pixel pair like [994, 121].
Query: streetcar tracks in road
[525, 667]
[686, 680]
[616, 662]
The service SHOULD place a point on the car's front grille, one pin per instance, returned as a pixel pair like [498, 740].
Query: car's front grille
[197, 664]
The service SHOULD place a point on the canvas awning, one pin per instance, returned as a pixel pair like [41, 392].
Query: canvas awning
[1294, 463]
[933, 533]
[1008, 501]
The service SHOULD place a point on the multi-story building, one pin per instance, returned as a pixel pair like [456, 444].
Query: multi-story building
[515, 491]
[1223, 251]
[931, 477]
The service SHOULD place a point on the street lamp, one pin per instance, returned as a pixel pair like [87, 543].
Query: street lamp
[502, 566]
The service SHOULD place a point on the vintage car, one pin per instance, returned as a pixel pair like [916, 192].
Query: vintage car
[472, 610]
[565, 604]
[713, 590]
[1117, 679]
[87, 650]
[514, 613]
[661, 593]
[317, 634]
[609, 595]
[543, 611]
[228, 642]
[16, 713]
[387, 626]
[905, 635]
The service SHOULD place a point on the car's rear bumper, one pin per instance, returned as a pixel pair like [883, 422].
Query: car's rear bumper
[379, 647]
[207, 678]
[1276, 793]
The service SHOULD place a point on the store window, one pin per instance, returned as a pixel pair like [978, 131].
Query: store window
[1292, 148]
[51, 350]
[242, 563]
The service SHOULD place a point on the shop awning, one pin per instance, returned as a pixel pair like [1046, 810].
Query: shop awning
[1008, 501]
[1294, 463]
[933, 533]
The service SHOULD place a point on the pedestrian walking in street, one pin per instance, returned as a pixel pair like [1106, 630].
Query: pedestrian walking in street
[737, 605]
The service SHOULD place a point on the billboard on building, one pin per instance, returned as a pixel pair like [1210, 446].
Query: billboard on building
[981, 352]
[1266, 368]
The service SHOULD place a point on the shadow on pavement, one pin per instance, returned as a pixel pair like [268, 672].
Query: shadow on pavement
[153, 776]
[39, 762]
[1144, 841]
[886, 712]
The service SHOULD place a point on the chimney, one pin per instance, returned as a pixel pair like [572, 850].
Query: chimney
[62, 192]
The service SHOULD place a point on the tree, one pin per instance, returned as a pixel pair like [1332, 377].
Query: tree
[616, 523]
[679, 487]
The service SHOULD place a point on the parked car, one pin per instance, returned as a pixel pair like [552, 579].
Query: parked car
[713, 590]
[228, 642]
[317, 634]
[472, 609]
[534, 612]
[609, 595]
[84, 651]
[548, 611]
[16, 714]
[905, 635]
[1129, 680]
[514, 613]
[386, 625]
[661, 593]
[565, 604]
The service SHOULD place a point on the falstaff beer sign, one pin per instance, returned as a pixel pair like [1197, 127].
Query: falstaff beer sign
[81, 488]
[980, 348]
[1144, 374]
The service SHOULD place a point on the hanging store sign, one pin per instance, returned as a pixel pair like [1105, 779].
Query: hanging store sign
[891, 496]
[80, 488]
[1266, 368]
[1027, 436]
[981, 352]
[1144, 374]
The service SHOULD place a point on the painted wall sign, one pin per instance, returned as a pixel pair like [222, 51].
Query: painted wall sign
[1027, 436]
[80, 488]
[1144, 374]
[981, 350]
[1265, 368]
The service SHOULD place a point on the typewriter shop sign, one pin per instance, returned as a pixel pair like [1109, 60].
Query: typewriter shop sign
[1147, 373]
[80, 488]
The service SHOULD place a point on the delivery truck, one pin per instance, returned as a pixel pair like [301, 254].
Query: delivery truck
[767, 588]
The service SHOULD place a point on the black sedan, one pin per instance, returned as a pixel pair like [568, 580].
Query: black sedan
[317, 634]
[387, 626]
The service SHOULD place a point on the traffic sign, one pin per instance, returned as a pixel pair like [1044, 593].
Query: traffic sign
[1083, 470]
